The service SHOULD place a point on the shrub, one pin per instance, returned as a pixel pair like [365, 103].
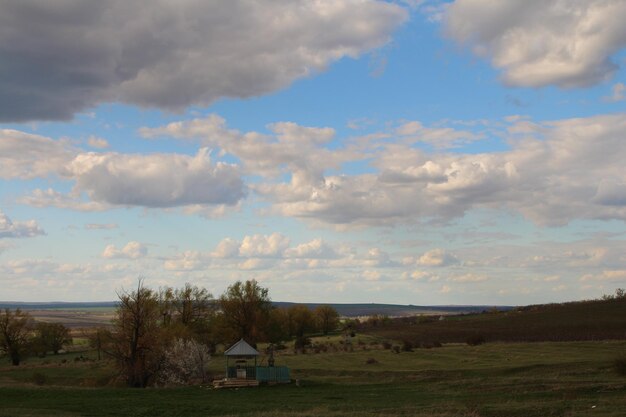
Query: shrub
[619, 365]
[395, 349]
[184, 362]
[386, 345]
[371, 361]
[475, 340]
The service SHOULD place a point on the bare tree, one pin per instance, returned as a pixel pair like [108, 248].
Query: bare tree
[15, 331]
[136, 342]
[193, 304]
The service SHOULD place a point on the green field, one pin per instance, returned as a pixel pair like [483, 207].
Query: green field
[497, 379]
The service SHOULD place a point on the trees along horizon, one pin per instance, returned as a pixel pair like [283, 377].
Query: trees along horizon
[149, 325]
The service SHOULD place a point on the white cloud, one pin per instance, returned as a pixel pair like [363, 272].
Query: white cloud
[371, 275]
[25, 156]
[107, 51]
[11, 229]
[227, 248]
[557, 172]
[437, 257]
[542, 42]
[618, 275]
[257, 264]
[132, 250]
[187, 261]
[53, 198]
[272, 246]
[315, 249]
[438, 137]
[289, 147]
[158, 180]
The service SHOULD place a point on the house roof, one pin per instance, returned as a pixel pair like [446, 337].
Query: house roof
[241, 348]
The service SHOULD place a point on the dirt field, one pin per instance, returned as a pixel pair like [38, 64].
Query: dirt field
[75, 318]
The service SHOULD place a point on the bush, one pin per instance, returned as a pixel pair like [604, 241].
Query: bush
[386, 345]
[395, 349]
[619, 365]
[475, 340]
[371, 361]
[185, 362]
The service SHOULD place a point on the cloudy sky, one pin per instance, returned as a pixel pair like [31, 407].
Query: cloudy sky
[414, 152]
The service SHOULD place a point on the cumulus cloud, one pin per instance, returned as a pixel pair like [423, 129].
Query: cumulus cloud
[315, 249]
[132, 250]
[289, 146]
[555, 172]
[11, 229]
[84, 53]
[25, 156]
[273, 245]
[227, 248]
[542, 42]
[437, 257]
[158, 180]
[187, 261]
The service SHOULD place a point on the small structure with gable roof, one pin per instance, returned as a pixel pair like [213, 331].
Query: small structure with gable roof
[241, 373]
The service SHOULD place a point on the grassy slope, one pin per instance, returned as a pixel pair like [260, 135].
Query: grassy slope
[539, 379]
[591, 320]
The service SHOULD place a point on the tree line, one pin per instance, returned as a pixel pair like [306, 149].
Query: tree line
[167, 334]
[21, 336]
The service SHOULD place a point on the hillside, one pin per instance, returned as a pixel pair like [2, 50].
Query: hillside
[345, 310]
[585, 320]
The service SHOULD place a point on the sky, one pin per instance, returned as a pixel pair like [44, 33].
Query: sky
[410, 152]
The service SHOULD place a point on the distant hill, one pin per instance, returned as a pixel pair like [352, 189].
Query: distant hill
[394, 310]
[345, 310]
[582, 320]
[58, 305]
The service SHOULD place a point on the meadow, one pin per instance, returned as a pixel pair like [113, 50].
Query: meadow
[552, 360]
[497, 379]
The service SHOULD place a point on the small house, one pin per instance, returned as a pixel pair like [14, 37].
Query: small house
[243, 370]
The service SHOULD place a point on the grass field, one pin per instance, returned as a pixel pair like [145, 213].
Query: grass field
[516, 379]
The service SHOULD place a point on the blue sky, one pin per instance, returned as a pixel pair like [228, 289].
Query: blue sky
[414, 152]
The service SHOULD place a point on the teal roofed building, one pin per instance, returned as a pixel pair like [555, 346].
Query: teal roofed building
[243, 370]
